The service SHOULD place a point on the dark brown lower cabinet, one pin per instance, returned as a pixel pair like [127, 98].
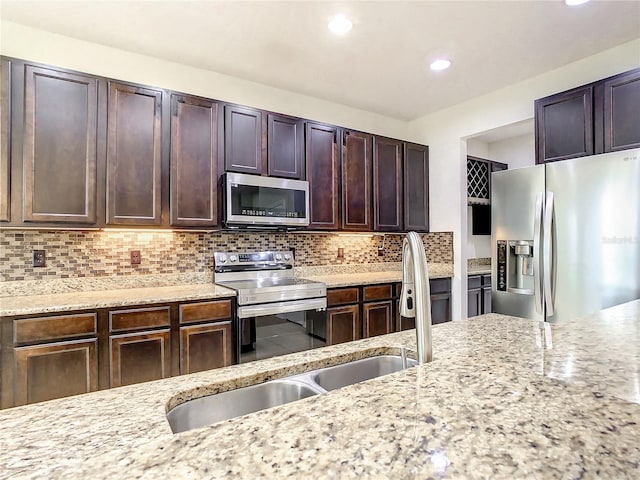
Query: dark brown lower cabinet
[206, 346]
[440, 289]
[377, 310]
[54, 370]
[343, 324]
[377, 318]
[139, 357]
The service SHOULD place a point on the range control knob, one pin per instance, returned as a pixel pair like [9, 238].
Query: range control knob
[278, 257]
[233, 258]
[222, 258]
[287, 257]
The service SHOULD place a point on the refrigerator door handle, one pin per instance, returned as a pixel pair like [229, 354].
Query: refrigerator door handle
[547, 255]
[537, 249]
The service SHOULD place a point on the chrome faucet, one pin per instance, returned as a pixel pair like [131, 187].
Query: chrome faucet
[415, 299]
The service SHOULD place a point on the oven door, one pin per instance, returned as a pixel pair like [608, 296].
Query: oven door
[265, 201]
[269, 330]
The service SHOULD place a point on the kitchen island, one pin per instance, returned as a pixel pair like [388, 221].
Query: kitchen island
[503, 398]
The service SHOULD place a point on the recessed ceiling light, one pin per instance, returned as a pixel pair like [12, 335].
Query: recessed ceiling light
[440, 64]
[340, 24]
[573, 3]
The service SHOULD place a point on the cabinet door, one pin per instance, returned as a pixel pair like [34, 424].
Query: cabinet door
[243, 140]
[377, 318]
[285, 141]
[323, 176]
[440, 308]
[55, 370]
[564, 125]
[416, 188]
[194, 161]
[486, 294]
[139, 357]
[205, 346]
[474, 302]
[133, 155]
[387, 185]
[343, 324]
[486, 300]
[5, 135]
[59, 146]
[621, 112]
[356, 180]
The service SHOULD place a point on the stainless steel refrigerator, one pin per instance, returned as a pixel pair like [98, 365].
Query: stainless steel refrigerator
[565, 236]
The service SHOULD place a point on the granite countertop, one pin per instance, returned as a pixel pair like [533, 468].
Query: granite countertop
[479, 270]
[333, 280]
[30, 298]
[503, 398]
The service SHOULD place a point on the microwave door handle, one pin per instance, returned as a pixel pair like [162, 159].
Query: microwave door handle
[548, 255]
[537, 250]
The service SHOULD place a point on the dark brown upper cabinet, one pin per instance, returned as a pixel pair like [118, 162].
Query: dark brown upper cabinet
[387, 185]
[133, 155]
[564, 125]
[5, 136]
[194, 161]
[285, 146]
[243, 140]
[621, 111]
[59, 146]
[357, 155]
[416, 187]
[595, 118]
[323, 174]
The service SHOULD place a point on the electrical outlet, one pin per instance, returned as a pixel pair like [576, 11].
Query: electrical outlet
[136, 258]
[39, 258]
[340, 252]
[381, 251]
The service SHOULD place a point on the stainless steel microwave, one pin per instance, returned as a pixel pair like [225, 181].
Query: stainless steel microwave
[256, 201]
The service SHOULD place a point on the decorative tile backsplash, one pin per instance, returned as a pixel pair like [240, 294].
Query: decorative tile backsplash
[73, 254]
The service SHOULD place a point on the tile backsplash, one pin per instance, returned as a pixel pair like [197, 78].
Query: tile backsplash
[74, 254]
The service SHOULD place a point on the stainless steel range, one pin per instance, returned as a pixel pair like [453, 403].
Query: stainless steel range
[277, 313]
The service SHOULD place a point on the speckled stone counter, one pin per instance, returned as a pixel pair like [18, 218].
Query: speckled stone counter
[338, 278]
[503, 399]
[35, 297]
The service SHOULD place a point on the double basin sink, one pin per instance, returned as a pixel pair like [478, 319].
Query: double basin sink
[242, 401]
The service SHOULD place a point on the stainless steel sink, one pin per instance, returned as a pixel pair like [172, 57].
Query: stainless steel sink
[235, 403]
[332, 378]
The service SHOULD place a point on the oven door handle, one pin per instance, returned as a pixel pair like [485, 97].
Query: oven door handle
[282, 307]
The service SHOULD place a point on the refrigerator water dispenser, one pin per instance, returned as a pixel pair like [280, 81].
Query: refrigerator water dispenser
[515, 266]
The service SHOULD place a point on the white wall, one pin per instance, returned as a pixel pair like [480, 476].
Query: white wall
[446, 132]
[27, 43]
[517, 152]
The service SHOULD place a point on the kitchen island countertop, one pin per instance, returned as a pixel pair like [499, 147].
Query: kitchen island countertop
[503, 398]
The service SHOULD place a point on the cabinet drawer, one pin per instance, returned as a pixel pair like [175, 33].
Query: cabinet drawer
[139, 319]
[197, 312]
[342, 296]
[474, 281]
[486, 280]
[440, 285]
[377, 292]
[29, 330]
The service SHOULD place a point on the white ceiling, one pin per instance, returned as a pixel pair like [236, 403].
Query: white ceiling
[380, 66]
